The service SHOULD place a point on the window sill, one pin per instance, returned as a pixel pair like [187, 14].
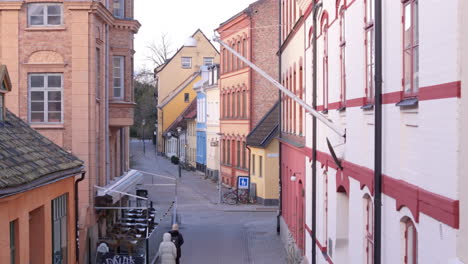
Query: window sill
[368, 107]
[46, 126]
[408, 103]
[46, 28]
[341, 109]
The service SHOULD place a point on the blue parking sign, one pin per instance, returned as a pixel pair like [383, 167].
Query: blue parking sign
[243, 182]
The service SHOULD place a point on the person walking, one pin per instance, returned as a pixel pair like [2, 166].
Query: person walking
[167, 250]
[177, 239]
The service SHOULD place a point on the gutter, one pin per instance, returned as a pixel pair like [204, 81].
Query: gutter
[378, 134]
[45, 180]
[77, 241]
[314, 136]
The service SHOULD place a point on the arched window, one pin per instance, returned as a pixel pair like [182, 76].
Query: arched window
[239, 52]
[369, 229]
[342, 59]
[294, 79]
[244, 50]
[410, 48]
[238, 110]
[369, 46]
[233, 58]
[325, 66]
[410, 241]
[301, 96]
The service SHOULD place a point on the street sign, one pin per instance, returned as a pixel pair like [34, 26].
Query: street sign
[243, 182]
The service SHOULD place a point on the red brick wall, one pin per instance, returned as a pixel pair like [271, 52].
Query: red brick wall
[265, 37]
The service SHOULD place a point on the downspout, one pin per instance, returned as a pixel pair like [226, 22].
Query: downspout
[314, 137]
[378, 134]
[250, 72]
[77, 238]
[107, 107]
[280, 203]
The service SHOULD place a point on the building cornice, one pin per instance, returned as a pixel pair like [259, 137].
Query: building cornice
[11, 5]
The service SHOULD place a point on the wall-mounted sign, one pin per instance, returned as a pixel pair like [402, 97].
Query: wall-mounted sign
[214, 143]
[243, 182]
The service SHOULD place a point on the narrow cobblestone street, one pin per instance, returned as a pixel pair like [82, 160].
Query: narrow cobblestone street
[213, 233]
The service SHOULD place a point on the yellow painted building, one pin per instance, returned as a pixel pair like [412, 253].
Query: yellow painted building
[196, 52]
[177, 101]
[264, 158]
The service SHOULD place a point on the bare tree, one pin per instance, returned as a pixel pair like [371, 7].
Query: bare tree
[159, 51]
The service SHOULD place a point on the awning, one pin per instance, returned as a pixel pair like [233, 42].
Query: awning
[124, 185]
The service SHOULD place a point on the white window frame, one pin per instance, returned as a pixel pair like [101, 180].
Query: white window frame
[205, 59]
[121, 10]
[121, 76]
[45, 90]
[45, 15]
[186, 62]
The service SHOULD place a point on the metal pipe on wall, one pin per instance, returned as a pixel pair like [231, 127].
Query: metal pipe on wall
[314, 135]
[378, 134]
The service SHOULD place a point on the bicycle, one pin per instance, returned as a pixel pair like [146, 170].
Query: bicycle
[233, 196]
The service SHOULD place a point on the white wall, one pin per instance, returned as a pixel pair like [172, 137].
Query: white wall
[420, 146]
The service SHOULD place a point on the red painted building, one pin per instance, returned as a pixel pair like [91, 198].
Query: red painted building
[245, 96]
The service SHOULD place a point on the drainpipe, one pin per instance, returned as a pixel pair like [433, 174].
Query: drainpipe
[378, 134]
[107, 107]
[280, 211]
[314, 136]
[77, 241]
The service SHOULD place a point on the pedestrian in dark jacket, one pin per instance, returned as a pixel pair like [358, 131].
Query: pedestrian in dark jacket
[177, 239]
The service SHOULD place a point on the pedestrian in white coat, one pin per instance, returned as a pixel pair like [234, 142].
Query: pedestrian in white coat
[167, 250]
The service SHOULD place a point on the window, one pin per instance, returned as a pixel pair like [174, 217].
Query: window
[208, 61]
[118, 64]
[244, 104]
[45, 14]
[186, 62]
[343, 58]
[410, 245]
[45, 97]
[410, 48]
[223, 64]
[14, 242]
[228, 160]
[369, 229]
[243, 154]
[98, 73]
[325, 67]
[301, 96]
[239, 52]
[253, 164]
[238, 101]
[228, 106]
[186, 97]
[233, 58]
[118, 8]
[369, 46]
[294, 104]
[2, 107]
[59, 230]
[238, 154]
[244, 50]
[260, 166]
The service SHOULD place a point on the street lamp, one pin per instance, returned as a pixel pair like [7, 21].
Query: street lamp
[179, 129]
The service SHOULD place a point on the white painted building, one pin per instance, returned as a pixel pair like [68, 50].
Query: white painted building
[212, 123]
[424, 120]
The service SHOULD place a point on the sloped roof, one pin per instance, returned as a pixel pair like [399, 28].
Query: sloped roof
[161, 67]
[179, 89]
[189, 112]
[266, 129]
[28, 159]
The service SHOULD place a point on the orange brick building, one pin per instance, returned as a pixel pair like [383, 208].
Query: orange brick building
[245, 96]
[72, 65]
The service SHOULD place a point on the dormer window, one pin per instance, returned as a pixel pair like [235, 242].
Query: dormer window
[4, 88]
[45, 14]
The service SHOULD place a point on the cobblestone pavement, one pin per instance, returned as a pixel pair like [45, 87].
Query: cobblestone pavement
[213, 233]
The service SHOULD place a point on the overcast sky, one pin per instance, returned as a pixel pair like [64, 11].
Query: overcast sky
[179, 19]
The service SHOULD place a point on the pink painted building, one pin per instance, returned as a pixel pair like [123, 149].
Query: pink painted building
[72, 65]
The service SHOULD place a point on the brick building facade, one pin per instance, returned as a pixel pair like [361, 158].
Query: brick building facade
[72, 64]
[245, 96]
